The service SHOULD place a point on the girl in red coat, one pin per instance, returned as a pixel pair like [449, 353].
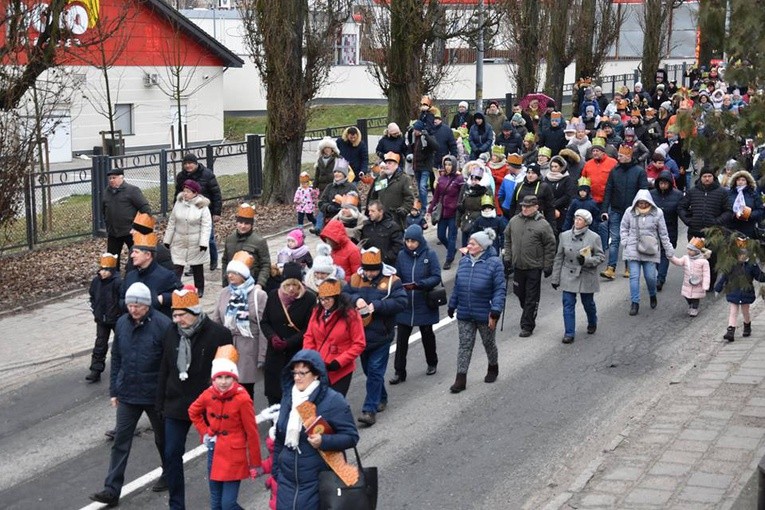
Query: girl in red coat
[230, 433]
[336, 331]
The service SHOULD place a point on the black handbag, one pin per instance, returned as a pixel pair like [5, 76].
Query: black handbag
[335, 495]
[435, 216]
[436, 298]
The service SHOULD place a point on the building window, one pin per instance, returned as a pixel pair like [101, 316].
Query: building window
[347, 50]
[123, 118]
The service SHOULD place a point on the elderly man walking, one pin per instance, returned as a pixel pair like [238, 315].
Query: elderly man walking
[121, 201]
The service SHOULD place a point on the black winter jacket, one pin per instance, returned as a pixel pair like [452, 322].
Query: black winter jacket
[512, 142]
[622, 185]
[395, 144]
[423, 149]
[175, 396]
[327, 203]
[385, 235]
[446, 143]
[207, 181]
[105, 298]
[256, 246]
[668, 201]
[120, 205]
[161, 282]
[704, 206]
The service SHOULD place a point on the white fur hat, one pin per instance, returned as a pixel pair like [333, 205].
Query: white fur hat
[323, 262]
[239, 268]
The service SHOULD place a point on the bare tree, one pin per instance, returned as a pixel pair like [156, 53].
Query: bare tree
[598, 25]
[406, 45]
[526, 27]
[292, 47]
[655, 23]
[560, 44]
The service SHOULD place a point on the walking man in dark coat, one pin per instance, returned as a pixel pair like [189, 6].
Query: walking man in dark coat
[121, 201]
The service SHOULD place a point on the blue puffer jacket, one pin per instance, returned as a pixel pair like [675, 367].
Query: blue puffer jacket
[420, 267]
[161, 282]
[738, 285]
[388, 296]
[136, 358]
[297, 470]
[479, 287]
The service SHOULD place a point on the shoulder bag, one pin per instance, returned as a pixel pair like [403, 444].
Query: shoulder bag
[335, 495]
[647, 244]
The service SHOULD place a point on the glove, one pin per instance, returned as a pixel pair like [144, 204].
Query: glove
[277, 343]
[555, 286]
[547, 272]
[604, 217]
[409, 158]
[203, 248]
[256, 472]
[333, 209]
[495, 315]
[580, 259]
[450, 313]
[333, 366]
[167, 245]
[508, 267]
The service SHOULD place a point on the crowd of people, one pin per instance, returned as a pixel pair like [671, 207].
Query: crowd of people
[535, 197]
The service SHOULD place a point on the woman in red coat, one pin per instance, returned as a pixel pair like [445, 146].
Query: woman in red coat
[345, 254]
[233, 443]
[337, 333]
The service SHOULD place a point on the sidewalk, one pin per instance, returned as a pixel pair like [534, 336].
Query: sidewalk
[696, 447]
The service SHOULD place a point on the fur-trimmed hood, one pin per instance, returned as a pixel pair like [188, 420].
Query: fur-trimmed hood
[742, 173]
[200, 200]
[345, 137]
[329, 142]
[570, 155]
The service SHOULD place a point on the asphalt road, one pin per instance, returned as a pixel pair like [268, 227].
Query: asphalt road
[504, 445]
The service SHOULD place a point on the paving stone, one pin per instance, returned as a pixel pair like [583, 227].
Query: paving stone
[709, 424]
[692, 446]
[669, 469]
[663, 483]
[685, 409]
[751, 432]
[745, 443]
[720, 467]
[612, 486]
[698, 435]
[729, 454]
[720, 415]
[654, 439]
[623, 473]
[744, 379]
[678, 457]
[715, 481]
[702, 494]
[757, 412]
[598, 500]
[648, 497]
[716, 375]
[756, 401]
[700, 392]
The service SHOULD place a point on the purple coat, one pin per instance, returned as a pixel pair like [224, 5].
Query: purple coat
[447, 190]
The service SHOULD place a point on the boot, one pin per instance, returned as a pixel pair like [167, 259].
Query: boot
[94, 376]
[729, 334]
[626, 271]
[634, 307]
[747, 329]
[491, 374]
[459, 383]
[654, 302]
[609, 273]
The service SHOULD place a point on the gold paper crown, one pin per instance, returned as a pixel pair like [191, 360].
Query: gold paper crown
[145, 241]
[371, 257]
[515, 158]
[330, 288]
[185, 299]
[584, 181]
[108, 261]
[246, 211]
[228, 352]
[144, 220]
[245, 258]
[625, 150]
[698, 242]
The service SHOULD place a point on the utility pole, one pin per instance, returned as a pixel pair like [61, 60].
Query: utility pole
[479, 62]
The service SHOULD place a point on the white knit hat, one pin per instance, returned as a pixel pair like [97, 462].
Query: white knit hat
[224, 366]
[484, 238]
[323, 262]
[239, 268]
[138, 293]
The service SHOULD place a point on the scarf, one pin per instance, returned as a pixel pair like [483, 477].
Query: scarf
[579, 231]
[643, 211]
[295, 424]
[237, 313]
[489, 213]
[556, 176]
[287, 299]
[739, 204]
[183, 362]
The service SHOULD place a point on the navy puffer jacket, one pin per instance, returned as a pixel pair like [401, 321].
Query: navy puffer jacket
[386, 293]
[420, 267]
[297, 470]
[136, 358]
[668, 201]
[479, 287]
[738, 285]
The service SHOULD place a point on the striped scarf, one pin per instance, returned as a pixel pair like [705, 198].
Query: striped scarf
[237, 312]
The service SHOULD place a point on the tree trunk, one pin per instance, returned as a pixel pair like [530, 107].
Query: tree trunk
[556, 51]
[404, 62]
[655, 23]
[712, 30]
[280, 176]
[585, 39]
[527, 76]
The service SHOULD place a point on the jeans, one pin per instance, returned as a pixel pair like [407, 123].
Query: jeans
[569, 311]
[212, 246]
[175, 445]
[649, 272]
[527, 285]
[663, 267]
[319, 220]
[223, 495]
[114, 246]
[402, 346]
[614, 224]
[423, 181]
[374, 363]
[127, 420]
[603, 232]
[98, 358]
[447, 234]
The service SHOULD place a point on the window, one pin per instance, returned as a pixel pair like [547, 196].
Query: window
[123, 118]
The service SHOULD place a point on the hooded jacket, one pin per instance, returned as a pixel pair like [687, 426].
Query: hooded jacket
[385, 235]
[704, 206]
[105, 298]
[480, 137]
[635, 225]
[345, 254]
[336, 338]
[420, 267]
[386, 293]
[447, 191]
[512, 142]
[188, 230]
[753, 200]
[738, 285]
[324, 168]
[297, 470]
[668, 201]
[390, 143]
[356, 153]
[479, 287]
[623, 183]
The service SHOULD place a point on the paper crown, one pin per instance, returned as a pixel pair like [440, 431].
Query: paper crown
[108, 261]
[599, 142]
[515, 159]
[625, 150]
[487, 200]
[425, 100]
[186, 299]
[228, 352]
[741, 242]
[330, 287]
[146, 242]
[371, 258]
[697, 242]
[144, 220]
[392, 156]
[244, 257]
[245, 211]
[545, 151]
[556, 115]
[530, 137]
[584, 181]
[498, 150]
[350, 199]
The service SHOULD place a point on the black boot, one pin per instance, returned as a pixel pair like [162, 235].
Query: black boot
[94, 376]
[491, 374]
[460, 383]
[747, 329]
[398, 378]
[729, 334]
[634, 307]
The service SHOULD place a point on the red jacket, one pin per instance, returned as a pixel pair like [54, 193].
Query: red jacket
[598, 172]
[336, 339]
[498, 174]
[231, 419]
[345, 254]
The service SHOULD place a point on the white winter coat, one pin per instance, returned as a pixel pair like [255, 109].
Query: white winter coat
[188, 229]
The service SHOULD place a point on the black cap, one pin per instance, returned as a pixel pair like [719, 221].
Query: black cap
[115, 171]
[189, 158]
[530, 200]
[292, 270]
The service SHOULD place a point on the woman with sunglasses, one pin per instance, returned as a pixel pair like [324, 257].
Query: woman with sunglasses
[297, 462]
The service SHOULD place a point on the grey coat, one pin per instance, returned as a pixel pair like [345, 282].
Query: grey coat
[634, 225]
[567, 272]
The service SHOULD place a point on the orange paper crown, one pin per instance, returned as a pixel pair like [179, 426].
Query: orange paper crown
[246, 211]
[228, 352]
[144, 220]
[245, 258]
[145, 241]
[330, 288]
[108, 261]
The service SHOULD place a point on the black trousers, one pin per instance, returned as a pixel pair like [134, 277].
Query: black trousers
[342, 385]
[527, 285]
[199, 277]
[114, 246]
[402, 346]
[98, 358]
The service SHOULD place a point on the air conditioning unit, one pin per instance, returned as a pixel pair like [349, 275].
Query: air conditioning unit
[224, 4]
[150, 79]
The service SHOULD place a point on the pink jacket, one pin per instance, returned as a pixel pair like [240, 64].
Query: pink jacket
[698, 267]
[306, 199]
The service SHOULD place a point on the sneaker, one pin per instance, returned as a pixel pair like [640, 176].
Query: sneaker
[626, 273]
[609, 272]
[431, 370]
[568, 340]
[524, 333]
[94, 376]
[367, 419]
[693, 312]
[160, 485]
[397, 379]
[110, 434]
[105, 497]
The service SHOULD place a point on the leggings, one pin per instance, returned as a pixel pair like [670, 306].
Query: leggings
[733, 314]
